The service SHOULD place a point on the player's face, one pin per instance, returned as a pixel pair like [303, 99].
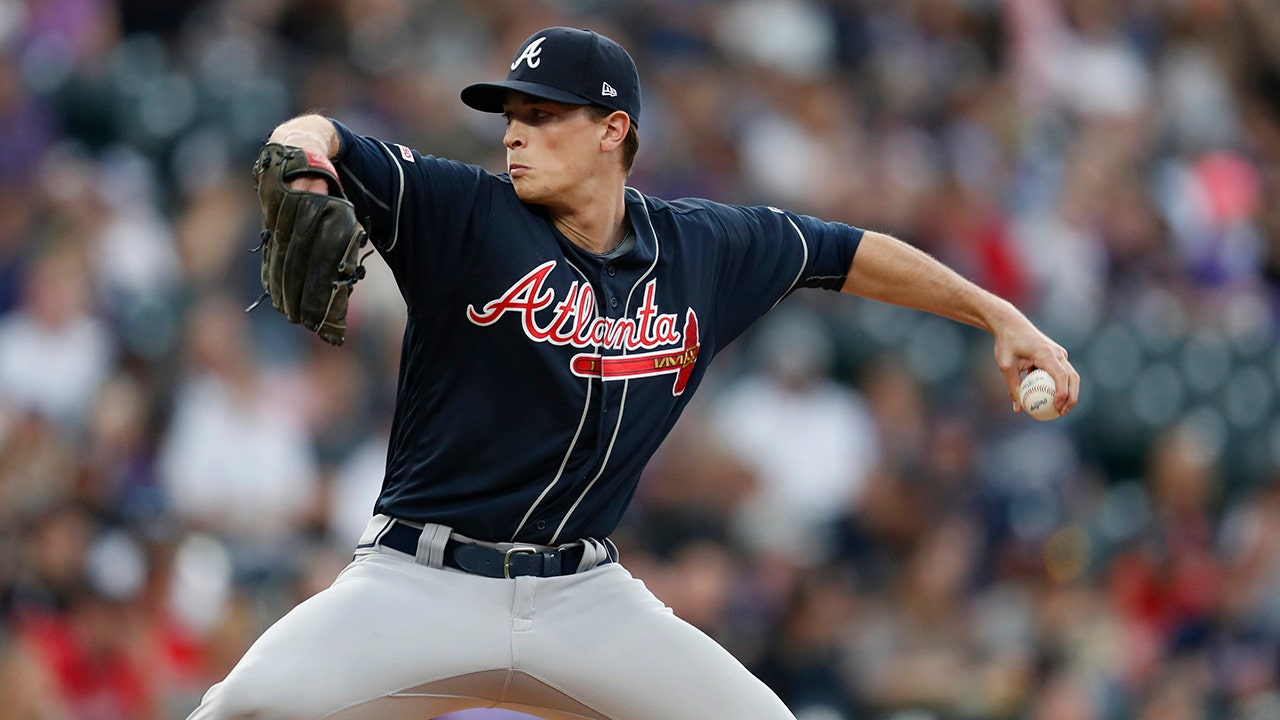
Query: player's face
[552, 148]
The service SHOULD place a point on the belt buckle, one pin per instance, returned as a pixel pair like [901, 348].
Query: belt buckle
[506, 558]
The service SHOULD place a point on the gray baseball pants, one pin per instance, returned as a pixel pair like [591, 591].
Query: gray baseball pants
[400, 637]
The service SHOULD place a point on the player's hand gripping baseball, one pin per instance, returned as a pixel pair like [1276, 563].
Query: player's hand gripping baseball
[1021, 347]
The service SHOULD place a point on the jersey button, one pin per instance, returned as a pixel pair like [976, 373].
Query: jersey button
[613, 302]
[611, 270]
[541, 524]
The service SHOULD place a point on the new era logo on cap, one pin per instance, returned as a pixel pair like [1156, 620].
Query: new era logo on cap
[579, 67]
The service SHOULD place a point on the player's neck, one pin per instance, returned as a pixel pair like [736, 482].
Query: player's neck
[597, 224]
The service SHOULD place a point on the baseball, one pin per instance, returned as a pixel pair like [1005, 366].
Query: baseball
[1036, 395]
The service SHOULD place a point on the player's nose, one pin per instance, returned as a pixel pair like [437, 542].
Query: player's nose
[513, 138]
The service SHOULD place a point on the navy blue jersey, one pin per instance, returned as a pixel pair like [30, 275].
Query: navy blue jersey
[538, 378]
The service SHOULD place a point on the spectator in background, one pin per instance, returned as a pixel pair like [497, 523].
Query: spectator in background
[53, 547]
[805, 661]
[920, 646]
[93, 645]
[54, 352]
[234, 461]
[37, 469]
[117, 459]
[1166, 587]
[809, 440]
[1250, 542]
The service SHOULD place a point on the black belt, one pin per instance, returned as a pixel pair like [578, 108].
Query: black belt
[489, 561]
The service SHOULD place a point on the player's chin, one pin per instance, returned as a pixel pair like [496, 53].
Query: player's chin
[529, 192]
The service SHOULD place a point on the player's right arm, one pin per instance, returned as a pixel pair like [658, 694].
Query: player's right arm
[309, 132]
[891, 271]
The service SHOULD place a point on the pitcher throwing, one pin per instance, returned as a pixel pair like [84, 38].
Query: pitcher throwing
[558, 323]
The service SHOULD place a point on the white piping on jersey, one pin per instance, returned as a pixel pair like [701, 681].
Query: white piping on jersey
[803, 261]
[395, 217]
[626, 384]
[600, 473]
[582, 421]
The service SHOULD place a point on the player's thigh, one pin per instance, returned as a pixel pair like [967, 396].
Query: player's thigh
[628, 656]
[385, 625]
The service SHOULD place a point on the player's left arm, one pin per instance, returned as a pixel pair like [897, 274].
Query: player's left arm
[891, 271]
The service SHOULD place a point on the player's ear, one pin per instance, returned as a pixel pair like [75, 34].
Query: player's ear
[613, 130]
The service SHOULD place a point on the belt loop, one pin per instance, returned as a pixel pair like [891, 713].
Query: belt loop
[378, 524]
[596, 552]
[431, 545]
[590, 555]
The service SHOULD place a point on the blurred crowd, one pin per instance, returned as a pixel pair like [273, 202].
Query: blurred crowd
[848, 505]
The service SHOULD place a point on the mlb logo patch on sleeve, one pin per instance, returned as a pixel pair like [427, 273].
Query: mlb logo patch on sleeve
[405, 152]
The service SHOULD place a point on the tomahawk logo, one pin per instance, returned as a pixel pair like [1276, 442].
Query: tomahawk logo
[531, 54]
[573, 322]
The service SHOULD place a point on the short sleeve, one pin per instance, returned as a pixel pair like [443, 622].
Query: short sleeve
[770, 253]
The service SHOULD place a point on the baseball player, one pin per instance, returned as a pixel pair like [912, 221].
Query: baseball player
[558, 323]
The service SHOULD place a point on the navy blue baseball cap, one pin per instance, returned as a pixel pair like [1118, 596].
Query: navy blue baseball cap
[567, 65]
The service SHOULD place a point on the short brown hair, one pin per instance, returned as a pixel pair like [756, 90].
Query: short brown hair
[630, 144]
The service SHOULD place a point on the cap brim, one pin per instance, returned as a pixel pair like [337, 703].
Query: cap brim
[490, 96]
